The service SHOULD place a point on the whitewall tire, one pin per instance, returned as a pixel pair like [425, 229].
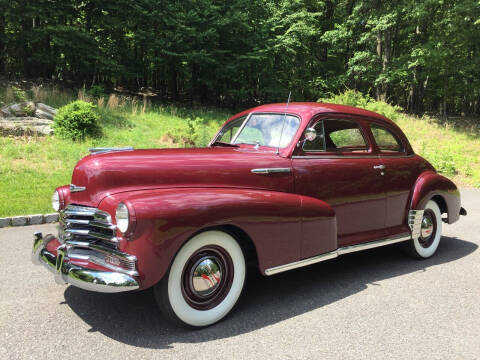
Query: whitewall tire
[204, 282]
[431, 232]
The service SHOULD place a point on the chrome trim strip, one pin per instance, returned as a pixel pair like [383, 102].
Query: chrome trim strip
[335, 157]
[301, 263]
[75, 188]
[336, 253]
[415, 218]
[379, 156]
[102, 150]
[271, 171]
[240, 129]
[373, 244]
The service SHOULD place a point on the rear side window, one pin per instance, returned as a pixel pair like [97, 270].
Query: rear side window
[385, 139]
[337, 136]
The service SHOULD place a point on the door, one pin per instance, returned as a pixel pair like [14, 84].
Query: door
[340, 168]
[401, 172]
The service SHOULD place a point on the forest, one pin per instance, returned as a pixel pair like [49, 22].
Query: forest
[421, 55]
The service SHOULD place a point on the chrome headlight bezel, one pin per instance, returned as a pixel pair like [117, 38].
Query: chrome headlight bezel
[122, 218]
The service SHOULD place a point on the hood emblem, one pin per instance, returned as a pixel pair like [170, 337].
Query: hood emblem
[75, 188]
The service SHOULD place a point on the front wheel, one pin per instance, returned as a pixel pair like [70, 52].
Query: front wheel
[204, 282]
[431, 231]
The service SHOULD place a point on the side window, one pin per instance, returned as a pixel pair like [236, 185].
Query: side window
[386, 141]
[344, 136]
[337, 136]
[229, 131]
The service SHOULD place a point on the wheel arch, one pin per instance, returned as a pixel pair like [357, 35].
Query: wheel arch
[433, 186]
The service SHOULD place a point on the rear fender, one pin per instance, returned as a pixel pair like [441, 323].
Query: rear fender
[430, 184]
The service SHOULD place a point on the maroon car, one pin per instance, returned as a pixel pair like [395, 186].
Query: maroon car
[279, 187]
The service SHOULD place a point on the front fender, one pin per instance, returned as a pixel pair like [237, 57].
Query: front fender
[430, 184]
[167, 218]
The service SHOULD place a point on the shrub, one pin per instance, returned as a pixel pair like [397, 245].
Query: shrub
[97, 91]
[77, 121]
[191, 133]
[19, 95]
[357, 99]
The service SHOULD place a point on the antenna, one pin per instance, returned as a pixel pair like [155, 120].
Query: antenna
[283, 124]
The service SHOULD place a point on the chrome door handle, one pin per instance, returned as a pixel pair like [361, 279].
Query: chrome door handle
[265, 171]
[381, 167]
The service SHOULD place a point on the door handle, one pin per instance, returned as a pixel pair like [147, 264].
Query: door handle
[265, 171]
[380, 167]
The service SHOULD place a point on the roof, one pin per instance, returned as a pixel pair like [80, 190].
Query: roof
[307, 109]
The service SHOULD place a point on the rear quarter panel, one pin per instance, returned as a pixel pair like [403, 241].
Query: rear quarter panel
[430, 184]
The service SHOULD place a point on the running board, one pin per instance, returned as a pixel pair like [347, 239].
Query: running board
[336, 253]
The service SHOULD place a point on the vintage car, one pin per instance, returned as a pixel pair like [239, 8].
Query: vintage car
[279, 187]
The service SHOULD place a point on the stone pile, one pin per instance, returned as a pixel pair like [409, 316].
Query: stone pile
[27, 118]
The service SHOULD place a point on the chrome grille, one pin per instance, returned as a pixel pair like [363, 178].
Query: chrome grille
[87, 224]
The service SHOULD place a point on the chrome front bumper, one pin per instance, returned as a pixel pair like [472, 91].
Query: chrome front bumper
[66, 272]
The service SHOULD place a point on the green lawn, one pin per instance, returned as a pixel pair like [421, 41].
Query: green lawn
[31, 167]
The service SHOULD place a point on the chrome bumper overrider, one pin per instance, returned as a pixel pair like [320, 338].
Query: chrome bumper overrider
[66, 272]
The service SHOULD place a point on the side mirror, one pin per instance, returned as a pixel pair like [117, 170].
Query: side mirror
[310, 134]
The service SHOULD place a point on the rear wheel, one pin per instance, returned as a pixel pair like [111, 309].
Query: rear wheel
[204, 282]
[431, 231]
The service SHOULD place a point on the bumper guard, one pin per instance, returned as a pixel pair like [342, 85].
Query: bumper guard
[67, 273]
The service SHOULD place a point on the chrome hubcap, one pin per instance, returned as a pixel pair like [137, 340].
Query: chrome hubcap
[427, 227]
[206, 276]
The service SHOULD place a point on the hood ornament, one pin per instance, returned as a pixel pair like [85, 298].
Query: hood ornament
[75, 188]
[101, 150]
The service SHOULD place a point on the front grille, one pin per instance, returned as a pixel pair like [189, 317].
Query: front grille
[87, 224]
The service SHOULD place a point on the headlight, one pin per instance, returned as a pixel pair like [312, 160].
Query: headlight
[56, 201]
[122, 217]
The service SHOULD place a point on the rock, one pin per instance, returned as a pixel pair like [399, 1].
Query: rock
[26, 126]
[19, 220]
[4, 222]
[51, 218]
[43, 114]
[36, 219]
[47, 109]
[19, 110]
[5, 112]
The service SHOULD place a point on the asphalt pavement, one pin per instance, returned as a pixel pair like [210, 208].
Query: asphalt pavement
[376, 304]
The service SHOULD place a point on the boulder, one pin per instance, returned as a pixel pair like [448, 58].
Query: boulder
[25, 126]
[5, 112]
[43, 114]
[47, 109]
[18, 110]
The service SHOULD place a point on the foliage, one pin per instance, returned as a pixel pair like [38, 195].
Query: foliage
[18, 94]
[77, 121]
[421, 55]
[444, 148]
[191, 133]
[97, 91]
[357, 99]
[28, 109]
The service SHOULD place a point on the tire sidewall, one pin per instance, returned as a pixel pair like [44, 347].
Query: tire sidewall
[180, 307]
[427, 252]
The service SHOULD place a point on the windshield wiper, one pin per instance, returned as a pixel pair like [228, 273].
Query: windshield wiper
[220, 143]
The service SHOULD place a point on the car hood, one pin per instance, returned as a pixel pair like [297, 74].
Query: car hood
[120, 171]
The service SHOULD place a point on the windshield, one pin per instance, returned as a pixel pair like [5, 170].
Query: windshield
[261, 129]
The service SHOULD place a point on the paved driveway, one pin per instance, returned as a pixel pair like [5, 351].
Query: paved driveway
[373, 305]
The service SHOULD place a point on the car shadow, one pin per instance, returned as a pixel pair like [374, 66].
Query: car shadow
[133, 318]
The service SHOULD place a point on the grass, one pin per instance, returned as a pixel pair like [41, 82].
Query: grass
[31, 167]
